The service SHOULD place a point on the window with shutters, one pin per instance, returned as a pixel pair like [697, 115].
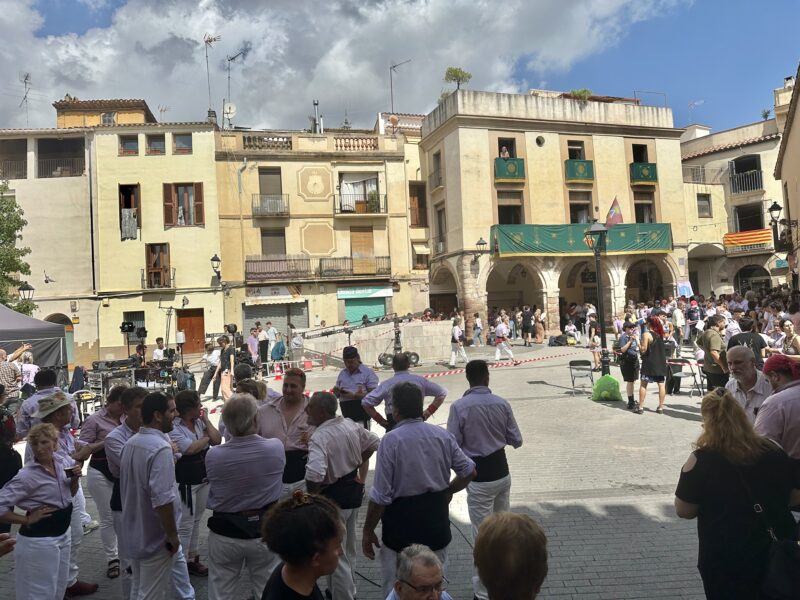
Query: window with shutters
[130, 214]
[575, 150]
[183, 205]
[580, 206]
[644, 207]
[157, 271]
[273, 242]
[704, 205]
[419, 204]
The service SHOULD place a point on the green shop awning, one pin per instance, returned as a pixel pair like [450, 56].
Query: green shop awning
[568, 240]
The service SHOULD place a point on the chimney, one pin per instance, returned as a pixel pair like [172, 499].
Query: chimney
[788, 82]
[212, 116]
[316, 117]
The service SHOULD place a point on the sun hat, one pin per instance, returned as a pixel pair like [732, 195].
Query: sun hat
[51, 404]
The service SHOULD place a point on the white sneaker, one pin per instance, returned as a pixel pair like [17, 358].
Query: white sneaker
[90, 527]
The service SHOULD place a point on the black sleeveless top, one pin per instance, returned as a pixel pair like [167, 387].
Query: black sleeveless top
[654, 361]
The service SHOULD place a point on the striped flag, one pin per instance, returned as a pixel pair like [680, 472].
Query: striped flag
[614, 216]
[747, 238]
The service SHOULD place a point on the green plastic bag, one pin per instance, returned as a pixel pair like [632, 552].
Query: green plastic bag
[606, 389]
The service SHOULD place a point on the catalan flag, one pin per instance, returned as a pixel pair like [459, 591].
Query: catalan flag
[614, 216]
[747, 238]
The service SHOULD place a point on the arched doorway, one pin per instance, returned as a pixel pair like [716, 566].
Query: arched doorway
[511, 284]
[577, 283]
[443, 291]
[69, 330]
[752, 276]
[644, 282]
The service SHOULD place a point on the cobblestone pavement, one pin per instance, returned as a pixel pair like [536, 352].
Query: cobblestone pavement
[599, 479]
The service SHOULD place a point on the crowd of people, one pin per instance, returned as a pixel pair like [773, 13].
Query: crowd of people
[281, 482]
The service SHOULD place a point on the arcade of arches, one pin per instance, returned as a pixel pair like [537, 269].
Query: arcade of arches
[549, 283]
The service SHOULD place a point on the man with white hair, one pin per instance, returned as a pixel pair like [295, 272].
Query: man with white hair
[419, 575]
[747, 384]
[245, 477]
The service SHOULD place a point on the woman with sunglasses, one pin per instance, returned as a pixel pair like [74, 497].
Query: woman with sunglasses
[732, 470]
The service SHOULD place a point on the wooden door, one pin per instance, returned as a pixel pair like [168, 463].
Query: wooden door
[192, 323]
[362, 249]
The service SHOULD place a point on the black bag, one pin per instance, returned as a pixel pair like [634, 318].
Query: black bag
[782, 573]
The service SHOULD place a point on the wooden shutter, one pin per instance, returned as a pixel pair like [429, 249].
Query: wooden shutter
[170, 217]
[362, 249]
[199, 217]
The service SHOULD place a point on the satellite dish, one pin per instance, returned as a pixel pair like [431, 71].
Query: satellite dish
[394, 120]
[229, 110]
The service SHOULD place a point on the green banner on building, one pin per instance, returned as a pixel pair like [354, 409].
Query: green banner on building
[539, 240]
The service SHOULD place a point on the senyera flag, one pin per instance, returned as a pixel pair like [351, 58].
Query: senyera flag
[614, 216]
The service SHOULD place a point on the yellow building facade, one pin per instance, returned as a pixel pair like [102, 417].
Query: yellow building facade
[787, 171]
[315, 228]
[527, 174]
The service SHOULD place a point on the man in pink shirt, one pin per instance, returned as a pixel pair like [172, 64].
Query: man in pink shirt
[778, 417]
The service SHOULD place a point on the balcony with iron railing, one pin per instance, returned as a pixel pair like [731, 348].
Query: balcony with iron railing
[270, 205]
[300, 267]
[439, 245]
[67, 166]
[371, 203]
[744, 183]
[158, 278]
[14, 169]
[702, 175]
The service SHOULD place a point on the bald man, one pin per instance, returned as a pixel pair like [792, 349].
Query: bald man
[747, 384]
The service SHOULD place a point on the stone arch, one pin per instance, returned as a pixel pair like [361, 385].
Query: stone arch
[69, 334]
[512, 282]
[445, 287]
[651, 276]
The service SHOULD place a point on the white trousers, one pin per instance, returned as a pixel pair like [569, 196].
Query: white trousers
[389, 567]
[189, 524]
[503, 347]
[341, 582]
[125, 565]
[86, 518]
[289, 488]
[100, 488]
[148, 581]
[41, 566]
[457, 352]
[76, 527]
[483, 499]
[227, 557]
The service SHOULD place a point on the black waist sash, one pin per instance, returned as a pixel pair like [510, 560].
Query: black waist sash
[352, 409]
[191, 469]
[422, 519]
[116, 497]
[346, 491]
[100, 462]
[295, 469]
[54, 525]
[243, 525]
[491, 467]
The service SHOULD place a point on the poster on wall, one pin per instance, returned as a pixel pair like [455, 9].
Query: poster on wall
[685, 288]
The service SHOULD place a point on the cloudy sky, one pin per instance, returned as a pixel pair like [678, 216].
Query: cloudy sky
[723, 55]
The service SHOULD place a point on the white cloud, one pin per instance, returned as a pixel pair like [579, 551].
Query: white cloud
[337, 52]
[94, 4]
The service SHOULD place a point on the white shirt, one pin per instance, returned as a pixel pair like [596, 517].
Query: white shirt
[750, 400]
[272, 334]
[335, 449]
[501, 330]
[158, 354]
[212, 358]
[731, 330]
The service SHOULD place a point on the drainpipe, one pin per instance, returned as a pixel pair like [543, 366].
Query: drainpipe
[91, 215]
[239, 172]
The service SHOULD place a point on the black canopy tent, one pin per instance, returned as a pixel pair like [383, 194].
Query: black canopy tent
[48, 339]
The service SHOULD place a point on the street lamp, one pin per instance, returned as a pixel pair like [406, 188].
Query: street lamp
[215, 263]
[595, 238]
[26, 291]
[481, 248]
[774, 212]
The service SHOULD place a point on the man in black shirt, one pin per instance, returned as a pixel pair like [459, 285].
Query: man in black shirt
[527, 324]
[750, 339]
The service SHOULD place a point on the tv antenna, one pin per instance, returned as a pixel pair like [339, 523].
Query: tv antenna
[228, 111]
[208, 42]
[25, 78]
[161, 110]
[392, 71]
[230, 59]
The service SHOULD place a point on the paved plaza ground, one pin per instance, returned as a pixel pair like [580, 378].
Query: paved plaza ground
[598, 478]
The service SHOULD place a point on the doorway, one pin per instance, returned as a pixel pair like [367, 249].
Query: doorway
[192, 323]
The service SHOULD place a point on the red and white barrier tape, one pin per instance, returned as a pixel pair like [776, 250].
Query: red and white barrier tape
[514, 363]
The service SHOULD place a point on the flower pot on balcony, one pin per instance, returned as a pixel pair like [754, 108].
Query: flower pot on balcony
[373, 202]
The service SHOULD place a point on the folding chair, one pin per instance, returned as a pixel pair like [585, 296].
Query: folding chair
[578, 369]
[682, 374]
[702, 377]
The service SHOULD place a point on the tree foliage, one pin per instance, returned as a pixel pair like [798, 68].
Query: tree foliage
[458, 76]
[581, 95]
[12, 263]
[765, 113]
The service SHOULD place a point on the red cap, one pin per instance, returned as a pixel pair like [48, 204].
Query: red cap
[693, 303]
[780, 363]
